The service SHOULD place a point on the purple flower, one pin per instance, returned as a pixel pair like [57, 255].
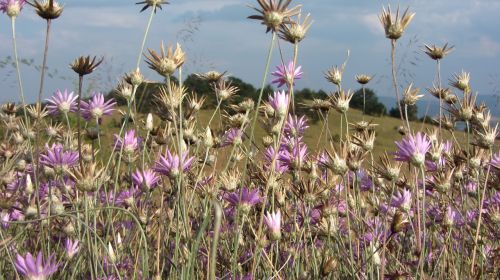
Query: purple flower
[71, 247]
[36, 269]
[12, 7]
[295, 156]
[402, 200]
[233, 136]
[244, 199]
[412, 149]
[269, 156]
[62, 102]
[495, 161]
[450, 217]
[295, 126]
[129, 143]
[279, 102]
[273, 223]
[286, 74]
[59, 159]
[172, 166]
[96, 107]
[146, 179]
[471, 188]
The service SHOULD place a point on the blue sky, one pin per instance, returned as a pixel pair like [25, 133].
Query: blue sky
[225, 40]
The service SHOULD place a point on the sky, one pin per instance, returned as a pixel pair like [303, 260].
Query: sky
[217, 35]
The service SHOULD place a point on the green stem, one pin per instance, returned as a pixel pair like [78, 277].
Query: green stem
[153, 9]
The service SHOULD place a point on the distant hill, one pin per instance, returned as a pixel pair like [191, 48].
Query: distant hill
[492, 101]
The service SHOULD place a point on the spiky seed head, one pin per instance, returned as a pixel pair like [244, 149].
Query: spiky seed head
[363, 79]
[48, 9]
[461, 81]
[394, 26]
[134, 78]
[155, 4]
[85, 65]
[411, 96]
[295, 31]
[437, 53]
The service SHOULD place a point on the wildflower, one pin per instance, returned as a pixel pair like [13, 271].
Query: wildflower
[363, 79]
[461, 81]
[271, 155]
[48, 9]
[394, 26]
[62, 102]
[402, 200]
[224, 90]
[439, 92]
[495, 161]
[233, 136]
[87, 179]
[59, 159]
[286, 74]
[464, 111]
[295, 126]
[411, 96]
[129, 144]
[337, 161]
[211, 76]
[273, 223]
[295, 156]
[37, 111]
[273, 14]
[340, 101]
[12, 7]
[244, 199]
[279, 103]
[84, 66]
[36, 269]
[450, 217]
[134, 78]
[412, 149]
[471, 188]
[295, 31]
[124, 90]
[172, 165]
[438, 53]
[165, 64]
[334, 75]
[152, 3]
[71, 247]
[146, 179]
[96, 107]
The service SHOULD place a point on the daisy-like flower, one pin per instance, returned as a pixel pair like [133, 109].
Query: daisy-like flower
[495, 161]
[269, 155]
[172, 165]
[71, 247]
[36, 269]
[146, 179]
[274, 13]
[129, 143]
[394, 26]
[286, 74]
[62, 102]
[279, 102]
[295, 156]
[412, 149]
[12, 7]
[58, 158]
[295, 126]
[233, 136]
[273, 223]
[402, 200]
[244, 199]
[96, 107]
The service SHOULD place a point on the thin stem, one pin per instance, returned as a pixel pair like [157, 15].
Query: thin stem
[80, 84]
[213, 251]
[153, 9]
[394, 77]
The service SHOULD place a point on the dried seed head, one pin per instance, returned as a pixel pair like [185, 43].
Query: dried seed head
[87, 179]
[48, 9]
[124, 90]
[211, 76]
[411, 96]
[334, 75]
[165, 64]
[388, 169]
[273, 14]
[134, 78]
[85, 65]
[224, 90]
[295, 31]
[152, 3]
[340, 100]
[363, 79]
[461, 81]
[438, 53]
[399, 222]
[394, 26]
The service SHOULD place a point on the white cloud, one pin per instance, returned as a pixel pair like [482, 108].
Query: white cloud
[488, 47]
[372, 22]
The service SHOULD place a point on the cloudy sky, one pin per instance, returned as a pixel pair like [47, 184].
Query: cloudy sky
[216, 34]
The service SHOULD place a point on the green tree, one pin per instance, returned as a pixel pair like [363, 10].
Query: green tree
[412, 112]
[372, 106]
